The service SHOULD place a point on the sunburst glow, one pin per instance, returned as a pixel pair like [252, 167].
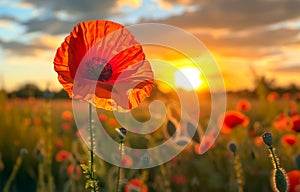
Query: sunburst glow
[188, 78]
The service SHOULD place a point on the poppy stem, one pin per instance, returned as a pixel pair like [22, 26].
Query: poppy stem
[15, 170]
[49, 145]
[119, 168]
[274, 158]
[92, 145]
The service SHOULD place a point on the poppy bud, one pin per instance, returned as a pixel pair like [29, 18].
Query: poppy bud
[232, 147]
[47, 94]
[121, 133]
[267, 138]
[23, 152]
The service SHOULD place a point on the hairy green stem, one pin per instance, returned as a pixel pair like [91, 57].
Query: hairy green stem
[49, 146]
[119, 168]
[92, 146]
[274, 157]
[13, 174]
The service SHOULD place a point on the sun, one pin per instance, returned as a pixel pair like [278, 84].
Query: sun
[188, 78]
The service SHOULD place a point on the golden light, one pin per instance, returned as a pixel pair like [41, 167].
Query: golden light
[188, 78]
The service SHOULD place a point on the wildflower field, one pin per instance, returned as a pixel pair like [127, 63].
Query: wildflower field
[41, 148]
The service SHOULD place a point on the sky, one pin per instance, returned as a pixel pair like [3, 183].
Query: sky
[240, 34]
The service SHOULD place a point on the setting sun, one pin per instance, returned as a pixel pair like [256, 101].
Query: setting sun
[188, 78]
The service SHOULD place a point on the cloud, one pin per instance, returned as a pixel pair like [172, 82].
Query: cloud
[131, 3]
[92, 8]
[6, 23]
[23, 4]
[36, 46]
[48, 19]
[253, 44]
[18, 48]
[286, 69]
[260, 38]
[52, 26]
[182, 2]
[236, 14]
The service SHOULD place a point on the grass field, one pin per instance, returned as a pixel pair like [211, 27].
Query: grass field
[45, 132]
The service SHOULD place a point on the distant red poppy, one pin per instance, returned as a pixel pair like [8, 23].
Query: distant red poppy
[293, 108]
[282, 122]
[37, 121]
[296, 123]
[27, 121]
[126, 161]
[298, 96]
[258, 141]
[102, 117]
[243, 105]
[67, 115]
[136, 185]
[252, 133]
[74, 171]
[273, 96]
[66, 127]
[62, 155]
[59, 143]
[112, 122]
[233, 119]
[178, 179]
[104, 54]
[294, 180]
[289, 139]
[286, 96]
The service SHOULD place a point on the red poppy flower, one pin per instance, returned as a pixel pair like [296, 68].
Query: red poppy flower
[233, 119]
[286, 96]
[37, 121]
[296, 123]
[112, 122]
[243, 105]
[27, 121]
[298, 96]
[67, 115]
[282, 122]
[102, 117]
[59, 143]
[178, 179]
[294, 180]
[289, 139]
[252, 133]
[258, 141]
[136, 185]
[102, 63]
[293, 108]
[74, 171]
[66, 127]
[273, 96]
[62, 156]
[126, 161]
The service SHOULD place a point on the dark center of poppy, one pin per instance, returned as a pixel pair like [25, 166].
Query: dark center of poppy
[98, 69]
